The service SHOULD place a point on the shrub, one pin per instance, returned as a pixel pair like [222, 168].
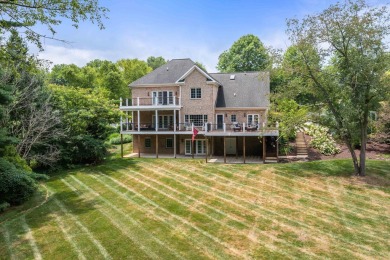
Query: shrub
[321, 139]
[4, 206]
[16, 185]
[117, 140]
[83, 149]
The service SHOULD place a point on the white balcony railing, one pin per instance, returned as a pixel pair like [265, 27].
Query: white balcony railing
[151, 101]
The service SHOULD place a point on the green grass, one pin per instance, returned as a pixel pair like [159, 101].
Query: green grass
[187, 209]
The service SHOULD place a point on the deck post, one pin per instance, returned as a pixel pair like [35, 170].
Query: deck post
[174, 120]
[121, 145]
[139, 120]
[193, 148]
[207, 148]
[224, 149]
[264, 149]
[156, 146]
[244, 148]
[277, 149]
[212, 145]
[236, 147]
[139, 146]
[156, 120]
[174, 145]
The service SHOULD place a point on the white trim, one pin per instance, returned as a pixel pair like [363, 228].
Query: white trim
[191, 70]
[157, 85]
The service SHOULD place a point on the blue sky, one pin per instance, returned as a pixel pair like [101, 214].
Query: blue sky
[200, 30]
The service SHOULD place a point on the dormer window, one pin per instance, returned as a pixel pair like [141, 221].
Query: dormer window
[196, 93]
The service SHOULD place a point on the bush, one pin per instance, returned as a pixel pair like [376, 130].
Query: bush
[4, 206]
[83, 149]
[117, 140]
[16, 185]
[321, 139]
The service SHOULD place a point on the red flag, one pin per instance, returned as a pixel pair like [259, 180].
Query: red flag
[194, 133]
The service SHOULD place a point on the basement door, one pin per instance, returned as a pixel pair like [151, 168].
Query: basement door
[231, 147]
[200, 147]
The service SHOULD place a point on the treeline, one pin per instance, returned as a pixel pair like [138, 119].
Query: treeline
[56, 119]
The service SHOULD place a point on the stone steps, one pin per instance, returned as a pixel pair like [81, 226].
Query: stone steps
[301, 144]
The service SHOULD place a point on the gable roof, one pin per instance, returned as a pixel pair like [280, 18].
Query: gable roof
[247, 89]
[168, 73]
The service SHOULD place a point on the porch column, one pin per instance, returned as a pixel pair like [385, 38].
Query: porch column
[264, 149]
[132, 120]
[139, 146]
[127, 120]
[179, 119]
[212, 145]
[277, 149]
[156, 116]
[174, 145]
[244, 147]
[121, 145]
[156, 146]
[224, 149]
[139, 120]
[237, 147]
[174, 120]
[207, 148]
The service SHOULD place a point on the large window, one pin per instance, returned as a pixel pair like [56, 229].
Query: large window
[164, 121]
[196, 93]
[198, 120]
[148, 142]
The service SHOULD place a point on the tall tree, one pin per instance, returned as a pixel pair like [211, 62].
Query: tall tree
[155, 62]
[24, 14]
[133, 69]
[246, 54]
[342, 51]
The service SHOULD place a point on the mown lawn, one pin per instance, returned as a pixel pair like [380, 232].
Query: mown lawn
[186, 209]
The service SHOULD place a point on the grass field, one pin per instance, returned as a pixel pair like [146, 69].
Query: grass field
[186, 209]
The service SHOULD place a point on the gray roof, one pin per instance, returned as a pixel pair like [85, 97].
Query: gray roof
[168, 73]
[248, 89]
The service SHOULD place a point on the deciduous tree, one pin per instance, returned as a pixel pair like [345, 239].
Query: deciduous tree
[343, 54]
[246, 54]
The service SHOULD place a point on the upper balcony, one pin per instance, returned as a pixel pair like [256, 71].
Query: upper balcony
[150, 103]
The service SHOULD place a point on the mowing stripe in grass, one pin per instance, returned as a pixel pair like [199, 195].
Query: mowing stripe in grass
[231, 184]
[135, 238]
[30, 238]
[196, 172]
[68, 237]
[8, 242]
[204, 245]
[248, 235]
[194, 242]
[237, 184]
[98, 245]
[253, 240]
[295, 191]
[196, 184]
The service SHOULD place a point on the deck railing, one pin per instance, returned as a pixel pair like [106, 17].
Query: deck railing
[151, 101]
[189, 127]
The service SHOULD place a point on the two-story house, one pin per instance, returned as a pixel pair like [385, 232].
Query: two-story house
[228, 111]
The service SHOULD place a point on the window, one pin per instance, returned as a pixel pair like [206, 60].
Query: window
[148, 142]
[253, 119]
[164, 121]
[169, 143]
[196, 93]
[233, 118]
[198, 120]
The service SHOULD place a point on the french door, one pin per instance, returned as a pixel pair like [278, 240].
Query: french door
[164, 121]
[199, 145]
[162, 97]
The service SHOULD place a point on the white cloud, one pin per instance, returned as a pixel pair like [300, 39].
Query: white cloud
[63, 55]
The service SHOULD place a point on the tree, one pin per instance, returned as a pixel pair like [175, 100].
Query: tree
[155, 62]
[342, 51]
[133, 69]
[246, 54]
[201, 65]
[27, 13]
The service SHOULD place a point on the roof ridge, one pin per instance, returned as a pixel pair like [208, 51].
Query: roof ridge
[241, 72]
